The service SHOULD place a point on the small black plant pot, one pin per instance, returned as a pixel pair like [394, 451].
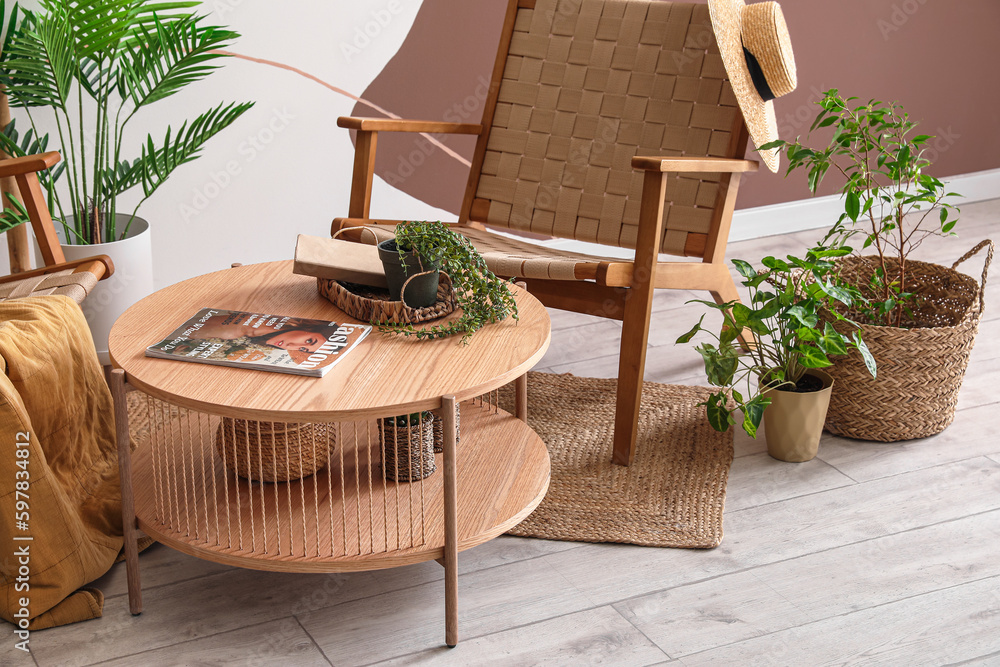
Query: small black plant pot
[421, 291]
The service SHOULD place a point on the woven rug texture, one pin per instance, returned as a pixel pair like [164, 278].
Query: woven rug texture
[672, 495]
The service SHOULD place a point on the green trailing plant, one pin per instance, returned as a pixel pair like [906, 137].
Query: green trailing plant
[787, 335]
[888, 197]
[95, 65]
[483, 297]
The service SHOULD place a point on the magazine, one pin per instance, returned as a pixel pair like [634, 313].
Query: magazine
[259, 341]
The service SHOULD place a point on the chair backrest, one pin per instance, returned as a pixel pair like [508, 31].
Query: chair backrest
[582, 86]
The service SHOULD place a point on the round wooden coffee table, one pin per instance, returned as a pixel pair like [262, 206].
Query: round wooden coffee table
[347, 516]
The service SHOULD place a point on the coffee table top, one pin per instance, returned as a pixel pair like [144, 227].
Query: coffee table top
[383, 376]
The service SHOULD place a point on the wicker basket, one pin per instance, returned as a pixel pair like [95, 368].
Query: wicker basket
[439, 429]
[272, 451]
[920, 368]
[407, 451]
[371, 304]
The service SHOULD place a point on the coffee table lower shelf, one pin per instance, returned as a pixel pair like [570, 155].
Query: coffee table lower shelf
[347, 517]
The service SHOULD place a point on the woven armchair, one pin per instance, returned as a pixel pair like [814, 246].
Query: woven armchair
[607, 121]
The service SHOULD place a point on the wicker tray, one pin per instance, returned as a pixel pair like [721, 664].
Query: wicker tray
[371, 304]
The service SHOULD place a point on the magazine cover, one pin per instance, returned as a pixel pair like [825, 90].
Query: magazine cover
[260, 341]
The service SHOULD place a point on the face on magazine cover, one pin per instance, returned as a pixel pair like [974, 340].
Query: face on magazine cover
[296, 339]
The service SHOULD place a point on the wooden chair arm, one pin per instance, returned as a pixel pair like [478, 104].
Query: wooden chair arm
[401, 125]
[693, 164]
[29, 163]
[100, 265]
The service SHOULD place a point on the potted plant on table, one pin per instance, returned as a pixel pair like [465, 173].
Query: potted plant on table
[919, 319]
[94, 66]
[786, 345]
[483, 297]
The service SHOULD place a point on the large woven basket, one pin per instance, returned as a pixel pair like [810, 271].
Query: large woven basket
[920, 367]
[272, 451]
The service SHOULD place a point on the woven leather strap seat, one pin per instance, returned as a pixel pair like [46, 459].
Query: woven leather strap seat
[512, 258]
[74, 285]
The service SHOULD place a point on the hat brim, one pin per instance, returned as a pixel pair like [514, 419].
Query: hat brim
[758, 114]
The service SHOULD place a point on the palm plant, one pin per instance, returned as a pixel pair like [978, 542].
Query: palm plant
[95, 64]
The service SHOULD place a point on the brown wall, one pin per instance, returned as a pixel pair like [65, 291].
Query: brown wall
[940, 59]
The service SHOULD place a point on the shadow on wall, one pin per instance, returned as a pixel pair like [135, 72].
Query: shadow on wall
[441, 72]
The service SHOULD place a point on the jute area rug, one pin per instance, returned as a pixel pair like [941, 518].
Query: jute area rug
[671, 496]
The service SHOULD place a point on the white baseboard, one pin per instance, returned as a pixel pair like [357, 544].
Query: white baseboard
[819, 212]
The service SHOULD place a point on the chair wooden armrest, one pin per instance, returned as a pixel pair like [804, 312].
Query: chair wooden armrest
[22, 165]
[101, 266]
[402, 125]
[693, 164]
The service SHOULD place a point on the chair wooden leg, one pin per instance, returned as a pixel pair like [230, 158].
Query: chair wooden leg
[635, 323]
[631, 366]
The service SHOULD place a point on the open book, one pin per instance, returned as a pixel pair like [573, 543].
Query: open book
[259, 341]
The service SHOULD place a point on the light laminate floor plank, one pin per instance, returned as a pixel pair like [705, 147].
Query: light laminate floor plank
[973, 433]
[867, 574]
[946, 626]
[594, 637]
[787, 529]
[282, 642]
[399, 623]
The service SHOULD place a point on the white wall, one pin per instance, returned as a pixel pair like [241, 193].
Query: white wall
[284, 167]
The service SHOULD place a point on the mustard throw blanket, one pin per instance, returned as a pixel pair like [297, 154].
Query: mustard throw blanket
[54, 397]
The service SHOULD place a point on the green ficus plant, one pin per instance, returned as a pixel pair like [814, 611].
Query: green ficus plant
[888, 199]
[784, 333]
[483, 297]
[93, 66]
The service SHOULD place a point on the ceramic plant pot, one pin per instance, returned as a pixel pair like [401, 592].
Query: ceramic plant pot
[131, 281]
[793, 423]
[422, 288]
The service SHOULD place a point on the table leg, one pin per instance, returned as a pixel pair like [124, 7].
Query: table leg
[521, 398]
[128, 504]
[448, 406]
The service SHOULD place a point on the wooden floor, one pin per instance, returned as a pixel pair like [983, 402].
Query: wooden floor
[869, 554]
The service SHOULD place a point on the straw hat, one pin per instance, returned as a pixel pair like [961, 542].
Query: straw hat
[757, 53]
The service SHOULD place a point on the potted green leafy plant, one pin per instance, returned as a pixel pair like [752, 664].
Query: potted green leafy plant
[94, 67]
[918, 318]
[786, 345]
[482, 297]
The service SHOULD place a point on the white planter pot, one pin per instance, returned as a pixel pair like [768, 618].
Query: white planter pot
[131, 281]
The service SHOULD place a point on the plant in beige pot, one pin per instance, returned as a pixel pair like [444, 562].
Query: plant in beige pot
[88, 69]
[918, 318]
[785, 344]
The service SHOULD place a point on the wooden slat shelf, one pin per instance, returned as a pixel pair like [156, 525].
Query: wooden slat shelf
[332, 523]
